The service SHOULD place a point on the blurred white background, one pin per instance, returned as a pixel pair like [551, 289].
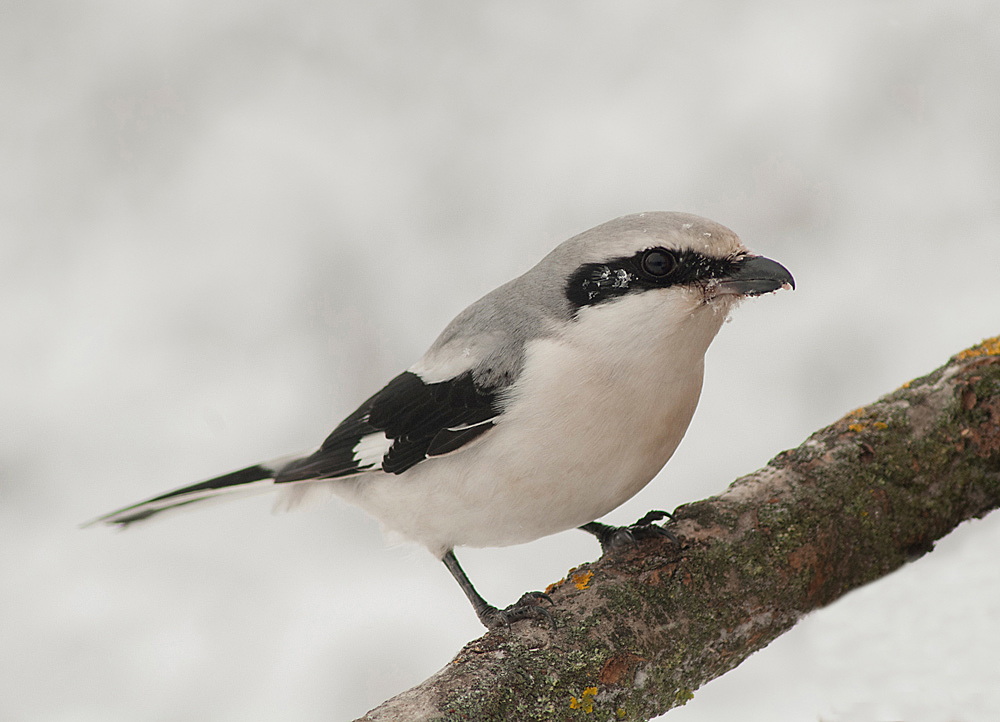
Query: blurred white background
[223, 225]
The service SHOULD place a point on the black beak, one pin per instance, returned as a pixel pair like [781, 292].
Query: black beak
[754, 275]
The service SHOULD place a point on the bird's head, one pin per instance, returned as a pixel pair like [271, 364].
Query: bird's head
[638, 284]
[688, 257]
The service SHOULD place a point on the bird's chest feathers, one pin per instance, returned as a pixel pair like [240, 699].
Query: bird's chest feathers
[614, 393]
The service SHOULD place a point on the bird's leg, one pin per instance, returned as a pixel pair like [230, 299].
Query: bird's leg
[612, 537]
[529, 605]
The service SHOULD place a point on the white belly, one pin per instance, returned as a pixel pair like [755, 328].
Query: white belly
[591, 420]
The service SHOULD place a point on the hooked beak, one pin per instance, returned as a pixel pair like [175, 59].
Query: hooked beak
[753, 276]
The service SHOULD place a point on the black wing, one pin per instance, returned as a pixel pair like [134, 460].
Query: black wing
[410, 420]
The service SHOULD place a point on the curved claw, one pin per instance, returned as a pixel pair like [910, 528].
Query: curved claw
[650, 516]
[527, 607]
[613, 537]
[655, 530]
[541, 596]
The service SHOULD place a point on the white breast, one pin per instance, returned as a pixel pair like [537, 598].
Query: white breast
[596, 413]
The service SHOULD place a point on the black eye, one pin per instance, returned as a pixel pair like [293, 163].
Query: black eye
[658, 262]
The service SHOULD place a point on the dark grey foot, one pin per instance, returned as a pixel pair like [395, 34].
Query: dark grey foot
[614, 537]
[529, 606]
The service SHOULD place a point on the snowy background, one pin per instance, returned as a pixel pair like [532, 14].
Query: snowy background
[222, 225]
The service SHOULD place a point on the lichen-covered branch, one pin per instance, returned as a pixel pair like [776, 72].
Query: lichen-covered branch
[641, 629]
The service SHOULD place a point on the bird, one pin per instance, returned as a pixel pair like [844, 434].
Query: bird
[540, 408]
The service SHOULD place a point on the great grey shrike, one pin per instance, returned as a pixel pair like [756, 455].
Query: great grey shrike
[541, 407]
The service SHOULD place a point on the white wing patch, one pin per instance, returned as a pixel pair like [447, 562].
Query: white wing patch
[463, 427]
[370, 449]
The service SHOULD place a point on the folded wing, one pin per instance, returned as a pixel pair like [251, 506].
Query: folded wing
[400, 426]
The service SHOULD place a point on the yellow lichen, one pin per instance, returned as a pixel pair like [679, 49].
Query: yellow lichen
[989, 347]
[555, 585]
[858, 426]
[586, 701]
[582, 580]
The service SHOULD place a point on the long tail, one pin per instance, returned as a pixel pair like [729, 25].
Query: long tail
[251, 480]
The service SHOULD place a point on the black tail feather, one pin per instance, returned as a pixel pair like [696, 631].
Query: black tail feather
[247, 480]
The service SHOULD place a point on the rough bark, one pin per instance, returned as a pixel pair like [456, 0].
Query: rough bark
[640, 629]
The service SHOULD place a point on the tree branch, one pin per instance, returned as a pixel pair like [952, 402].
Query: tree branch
[639, 630]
